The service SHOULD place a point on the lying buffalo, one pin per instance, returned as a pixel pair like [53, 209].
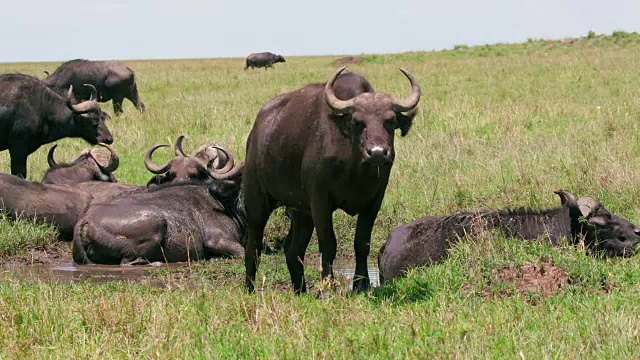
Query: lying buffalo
[315, 153]
[32, 115]
[171, 222]
[427, 240]
[183, 167]
[85, 168]
[59, 205]
[263, 59]
[112, 79]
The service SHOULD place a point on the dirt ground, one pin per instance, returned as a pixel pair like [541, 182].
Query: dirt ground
[544, 279]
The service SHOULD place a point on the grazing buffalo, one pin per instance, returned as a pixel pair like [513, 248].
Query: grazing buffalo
[59, 205]
[263, 59]
[85, 168]
[112, 79]
[182, 167]
[32, 115]
[427, 240]
[314, 153]
[171, 222]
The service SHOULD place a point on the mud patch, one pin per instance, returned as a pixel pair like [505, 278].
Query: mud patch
[55, 253]
[543, 279]
[348, 60]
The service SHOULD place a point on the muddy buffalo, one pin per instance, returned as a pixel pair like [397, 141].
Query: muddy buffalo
[263, 59]
[58, 205]
[32, 115]
[170, 222]
[314, 153]
[85, 168]
[112, 79]
[427, 240]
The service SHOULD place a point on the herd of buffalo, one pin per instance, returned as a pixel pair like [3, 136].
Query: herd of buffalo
[314, 150]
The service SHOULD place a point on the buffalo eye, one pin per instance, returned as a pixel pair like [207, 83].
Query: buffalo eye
[636, 231]
[390, 125]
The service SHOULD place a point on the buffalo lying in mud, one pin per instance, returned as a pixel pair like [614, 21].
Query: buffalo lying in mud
[263, 59]
[32, 115]
[315, 153]
[59, 205]
[112, 79]
[171, 222]
[183, 168]
[85, 168]
[427, 240]
[65, 193]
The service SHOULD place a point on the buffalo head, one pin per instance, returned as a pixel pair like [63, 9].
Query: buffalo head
[600, 229]
[88, 118]
[210, 162]
[279, 58]
[374, 117]
[87, 167]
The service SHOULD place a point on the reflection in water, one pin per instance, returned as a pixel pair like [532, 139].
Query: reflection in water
[346, 271]
[67, 272]
[70, 273]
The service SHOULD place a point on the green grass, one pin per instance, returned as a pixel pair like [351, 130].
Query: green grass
[499, 126]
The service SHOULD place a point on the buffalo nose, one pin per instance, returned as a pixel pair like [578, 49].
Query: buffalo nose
[108, 140]
[377, 152]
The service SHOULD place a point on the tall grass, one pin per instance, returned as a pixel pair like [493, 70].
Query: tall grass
[499, 126]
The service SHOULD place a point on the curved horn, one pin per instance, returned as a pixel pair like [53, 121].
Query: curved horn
[52, 162]
[414, 97]
[178, 146]
[228, 171]
[81, 108]
[148, 163]
[342, 106]
[94, 92]
[114, 160]
[567, 199]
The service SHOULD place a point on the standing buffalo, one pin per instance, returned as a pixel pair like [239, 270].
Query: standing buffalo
[314, 153]
[171, 222]
[85, 168]
[263, 59]
[427, 240]
[31, 115]
[112, 79]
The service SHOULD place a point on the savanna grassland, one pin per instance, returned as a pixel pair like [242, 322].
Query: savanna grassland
[499, 126]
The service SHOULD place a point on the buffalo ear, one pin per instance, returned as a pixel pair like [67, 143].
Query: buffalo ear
[598, 221]
[405, 121]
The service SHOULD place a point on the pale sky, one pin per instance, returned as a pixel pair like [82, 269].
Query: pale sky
[57, 30]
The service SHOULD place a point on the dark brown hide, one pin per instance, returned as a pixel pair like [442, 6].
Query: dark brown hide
[32, 115]
[85, 168]
[59, 205]
[112, 79]
[170, 223]
[427, 240]
[314, 153]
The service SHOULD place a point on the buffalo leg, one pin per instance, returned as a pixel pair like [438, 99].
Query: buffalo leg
[117, 104]
[326, 237]
[362, 244]
[258, 211]
[298, 240]
[135, 98]
[18, 162]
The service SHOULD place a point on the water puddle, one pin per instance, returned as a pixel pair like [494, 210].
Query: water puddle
[63, 271]
[67, 272]
[344, 272]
